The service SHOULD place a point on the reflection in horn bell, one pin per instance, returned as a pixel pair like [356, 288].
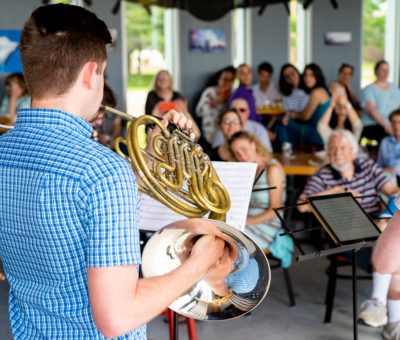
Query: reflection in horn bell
[244, 287]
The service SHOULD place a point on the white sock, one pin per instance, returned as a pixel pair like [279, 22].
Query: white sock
[393, 310]
[380, 286]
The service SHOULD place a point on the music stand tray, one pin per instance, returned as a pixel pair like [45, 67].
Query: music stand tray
[345, 223]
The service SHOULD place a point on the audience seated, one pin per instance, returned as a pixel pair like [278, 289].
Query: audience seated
[244, 91]
[213, 101]
[360, 176]
[162, 92]
[241, 106]
[345, 76]
[339, 115]
[180, 106]
[16, 96]
[291, 87]
[107, 125]
[229, 123]
[265, 92]
[379, 99]
[389, 149]
[262, 224]
[300, 128]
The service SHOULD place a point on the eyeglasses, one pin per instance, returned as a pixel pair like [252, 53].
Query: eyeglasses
[231, 122]
[241, 109]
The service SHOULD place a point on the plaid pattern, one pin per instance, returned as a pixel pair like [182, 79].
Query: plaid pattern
[67, 203]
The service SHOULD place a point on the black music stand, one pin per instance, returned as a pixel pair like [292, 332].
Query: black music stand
[348, 227]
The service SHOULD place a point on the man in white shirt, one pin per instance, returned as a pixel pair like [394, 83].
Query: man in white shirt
[265, 92]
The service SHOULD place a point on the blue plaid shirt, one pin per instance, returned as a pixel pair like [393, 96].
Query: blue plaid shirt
[67, 203]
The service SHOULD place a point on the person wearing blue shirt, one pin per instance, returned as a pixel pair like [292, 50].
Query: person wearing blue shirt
[69, 233]
[379, 99]
[389, 149]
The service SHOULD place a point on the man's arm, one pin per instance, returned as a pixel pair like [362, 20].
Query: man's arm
[121, 302]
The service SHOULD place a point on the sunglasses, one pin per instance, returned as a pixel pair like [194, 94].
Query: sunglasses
[241, 109]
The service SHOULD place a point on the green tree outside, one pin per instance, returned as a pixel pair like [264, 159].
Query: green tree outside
[144, 30]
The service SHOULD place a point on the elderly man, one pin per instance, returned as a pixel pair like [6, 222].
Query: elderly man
[361, 176]
[245, 76]
[257, 129]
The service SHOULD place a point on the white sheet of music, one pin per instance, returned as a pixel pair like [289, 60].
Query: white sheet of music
[238, 179]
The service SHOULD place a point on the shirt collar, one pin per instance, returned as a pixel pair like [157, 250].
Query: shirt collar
[53, 119]
[357, 169]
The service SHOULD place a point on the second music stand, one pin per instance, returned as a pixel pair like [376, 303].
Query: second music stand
[348, 227]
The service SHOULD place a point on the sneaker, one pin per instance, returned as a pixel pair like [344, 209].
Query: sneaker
[391, 331]
[372, 313]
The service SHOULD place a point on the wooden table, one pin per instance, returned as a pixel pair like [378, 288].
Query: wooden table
[300, 164]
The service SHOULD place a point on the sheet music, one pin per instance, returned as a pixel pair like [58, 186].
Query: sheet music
[346, 219]
[238, 179]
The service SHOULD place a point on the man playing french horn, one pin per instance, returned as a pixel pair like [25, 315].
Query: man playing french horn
[69, 223]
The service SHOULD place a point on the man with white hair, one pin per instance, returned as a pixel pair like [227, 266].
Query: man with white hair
[241, 106]
[361, 176]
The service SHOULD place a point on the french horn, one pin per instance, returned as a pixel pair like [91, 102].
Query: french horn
[175, 171]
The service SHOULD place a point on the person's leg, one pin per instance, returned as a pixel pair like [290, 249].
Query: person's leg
[373, 312]
[392, 328]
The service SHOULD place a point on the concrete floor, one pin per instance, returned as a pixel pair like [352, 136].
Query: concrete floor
[273, 319]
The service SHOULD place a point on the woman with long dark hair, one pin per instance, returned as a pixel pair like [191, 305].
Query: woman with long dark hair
[300, 128]
[291, 87]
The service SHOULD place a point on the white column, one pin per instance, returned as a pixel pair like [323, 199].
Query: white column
[303, 37]
[392, 40]
[241, 36]
[172, 44]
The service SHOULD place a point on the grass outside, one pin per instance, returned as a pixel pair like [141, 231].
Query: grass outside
[142, 82]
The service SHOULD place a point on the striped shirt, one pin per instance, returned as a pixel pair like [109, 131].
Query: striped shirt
[296, 101]
[368, 179]
[68, 203]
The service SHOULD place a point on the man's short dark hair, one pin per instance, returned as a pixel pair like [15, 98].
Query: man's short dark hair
[265, 66]
[344, 65]
[394, 114]
[57, 40]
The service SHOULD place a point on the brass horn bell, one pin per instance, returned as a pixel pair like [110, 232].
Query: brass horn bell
[175, 171]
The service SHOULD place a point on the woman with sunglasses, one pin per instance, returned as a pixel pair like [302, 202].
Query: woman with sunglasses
[262, 224]
[229, 122]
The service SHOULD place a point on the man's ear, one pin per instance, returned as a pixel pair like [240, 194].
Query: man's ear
[89, 72]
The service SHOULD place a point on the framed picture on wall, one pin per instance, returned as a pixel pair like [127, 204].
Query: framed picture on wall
[10, 59]
[206, 41]
[337, 38]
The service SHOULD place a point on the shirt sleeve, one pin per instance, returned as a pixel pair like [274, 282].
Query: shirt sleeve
[314, 185]
[112, 211]
[383, 160]
[379, 177]
[368, 95]
[262, 134]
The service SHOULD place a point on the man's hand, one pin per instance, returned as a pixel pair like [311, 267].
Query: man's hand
[207, 250]
[216, 275]
[2, 277]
